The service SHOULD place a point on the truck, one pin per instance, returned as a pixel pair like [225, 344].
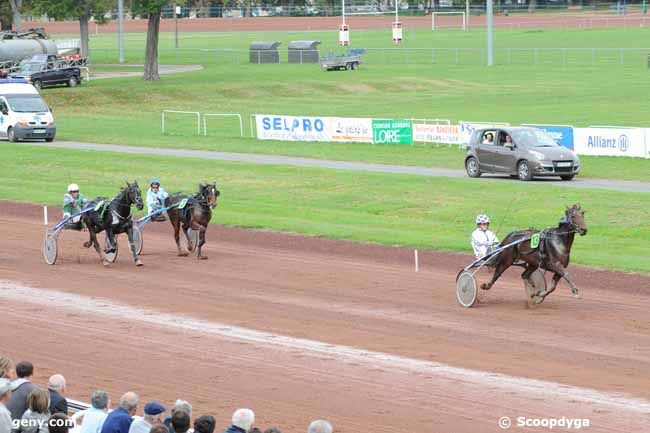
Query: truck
[23, 113]
[44, 70]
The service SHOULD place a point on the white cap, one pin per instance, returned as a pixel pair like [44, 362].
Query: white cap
[73, 187]
[243, 418]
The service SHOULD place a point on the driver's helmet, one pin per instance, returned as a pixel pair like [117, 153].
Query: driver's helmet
[482, 218]
[73, 187]
[154, 181]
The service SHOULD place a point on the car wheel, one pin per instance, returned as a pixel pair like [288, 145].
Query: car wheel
[37, 84]
[11, 135]
[523, 170]
[72, 82]
[567, 176]
[472, 167]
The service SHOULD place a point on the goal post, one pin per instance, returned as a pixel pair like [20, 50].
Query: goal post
[436, 25]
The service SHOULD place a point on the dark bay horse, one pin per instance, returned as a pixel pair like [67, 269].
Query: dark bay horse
[552, 254]
[114, 217]
[196, 214]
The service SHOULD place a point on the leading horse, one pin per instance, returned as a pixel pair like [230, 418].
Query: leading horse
[114, 217]
[551, 254]
[195, 214]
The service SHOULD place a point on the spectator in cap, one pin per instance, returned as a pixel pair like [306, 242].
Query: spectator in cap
[242, 421]
[179, 406]
[204, 424]
[119, 421]
[7, 370]
[20, 389]
[5, 415]
[180, 422]
[59, 423]
[94, 418]
[35, 418]
[153, 412]
[320, 426]
[58, 403]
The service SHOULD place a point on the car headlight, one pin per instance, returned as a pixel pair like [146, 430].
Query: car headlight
[538, 155]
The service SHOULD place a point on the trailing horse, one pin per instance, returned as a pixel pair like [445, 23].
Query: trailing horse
[549, 250]
[114, 217]
[195, 213]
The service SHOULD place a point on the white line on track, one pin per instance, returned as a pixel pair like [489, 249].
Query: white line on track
[495, 381]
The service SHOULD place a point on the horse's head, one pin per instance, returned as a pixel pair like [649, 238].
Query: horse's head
[134, 194]
[574, 216]
[210, 192]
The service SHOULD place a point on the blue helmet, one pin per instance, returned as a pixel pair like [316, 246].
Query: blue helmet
[154, 180]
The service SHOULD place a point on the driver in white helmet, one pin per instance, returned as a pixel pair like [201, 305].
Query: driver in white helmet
[156, 196]
[73, 202]
[482, 238]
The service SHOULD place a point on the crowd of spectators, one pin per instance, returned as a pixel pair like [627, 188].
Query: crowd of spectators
[28, 408]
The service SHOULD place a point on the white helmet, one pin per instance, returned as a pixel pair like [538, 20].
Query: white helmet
[73, 187]
[482, 218]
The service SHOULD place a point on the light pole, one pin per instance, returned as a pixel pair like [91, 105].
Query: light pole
[490, 37]
[120, 30]
[175, 24]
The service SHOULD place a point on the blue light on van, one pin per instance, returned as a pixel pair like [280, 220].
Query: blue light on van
[13, 81]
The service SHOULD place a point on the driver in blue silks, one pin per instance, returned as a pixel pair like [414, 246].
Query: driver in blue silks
[156, 196]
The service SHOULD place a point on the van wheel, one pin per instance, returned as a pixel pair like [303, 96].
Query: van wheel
[523, 171]
[72, 82]
[37, 84]
[11, 135]
[472, 167]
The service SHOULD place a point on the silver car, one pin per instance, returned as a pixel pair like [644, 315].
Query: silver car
[521, 152]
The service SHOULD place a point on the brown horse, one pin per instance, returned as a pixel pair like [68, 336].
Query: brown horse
[196, 214]
[552, 253]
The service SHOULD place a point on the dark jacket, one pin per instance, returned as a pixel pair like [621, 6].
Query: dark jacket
[57, 403]
[233, 429]
[117, 421]
[18, 403]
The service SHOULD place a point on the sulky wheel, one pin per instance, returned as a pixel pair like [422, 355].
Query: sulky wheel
[466, 289]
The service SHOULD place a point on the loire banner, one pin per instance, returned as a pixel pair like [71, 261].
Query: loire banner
[610, 141]
[446, 134]
[293, 128]
[392, 131]
[563, 134]
[351, 130]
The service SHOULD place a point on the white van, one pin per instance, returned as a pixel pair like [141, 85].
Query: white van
[23, 113]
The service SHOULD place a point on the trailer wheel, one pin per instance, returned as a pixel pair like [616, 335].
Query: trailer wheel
[349, 66]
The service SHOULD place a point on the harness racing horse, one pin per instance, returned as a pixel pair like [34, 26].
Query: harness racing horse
[196, 214]
[114, 217]
[552, 253]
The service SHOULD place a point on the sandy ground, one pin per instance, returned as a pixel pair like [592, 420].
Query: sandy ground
[299, 328]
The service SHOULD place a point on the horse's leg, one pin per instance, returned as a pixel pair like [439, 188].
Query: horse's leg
[129, 234]
[558, 269]
[202, 230]
[176, 224]
[556, 279]
[500, 269]
[110, 236]
[89, 242]
[95, 243]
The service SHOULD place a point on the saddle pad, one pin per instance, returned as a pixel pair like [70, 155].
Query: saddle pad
[99, 205]
[182, 203]
[534, 240]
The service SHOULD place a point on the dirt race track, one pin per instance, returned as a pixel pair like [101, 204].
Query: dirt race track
[300, 328]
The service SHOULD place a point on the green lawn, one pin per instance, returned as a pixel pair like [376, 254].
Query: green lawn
[414, 211]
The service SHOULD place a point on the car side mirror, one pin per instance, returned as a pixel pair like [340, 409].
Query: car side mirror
[5, 111]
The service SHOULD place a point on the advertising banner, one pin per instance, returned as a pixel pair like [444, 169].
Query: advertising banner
[392, 131]
[293, 128]
[351, 130]
[446, 134]
[465, 129]
[563, 134]
[610, 141]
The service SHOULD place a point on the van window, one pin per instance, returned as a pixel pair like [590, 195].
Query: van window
[27, 103]
[3, 106]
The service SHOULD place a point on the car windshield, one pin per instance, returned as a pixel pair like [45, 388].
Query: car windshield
[533, 138]
[27, 104]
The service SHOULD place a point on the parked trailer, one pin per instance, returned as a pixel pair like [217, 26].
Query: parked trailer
[338, 63]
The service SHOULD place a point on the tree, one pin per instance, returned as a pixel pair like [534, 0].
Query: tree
[152, 8]
[5, 16]
[16, 10]
[78, 9]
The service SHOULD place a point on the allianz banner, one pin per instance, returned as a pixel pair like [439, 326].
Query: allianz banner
[293, 128]
[610, 141]
[563, 134]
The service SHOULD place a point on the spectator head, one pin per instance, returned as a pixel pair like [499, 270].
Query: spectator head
[153, 411]
[100, 400]
[57, 383]
[180, 422]
[59, 423]
[158, 428]
[272, 430]
[243, 418]
[24, 369]
[7, 370]
[182, 406]
[39, 401]
[320, 426]
[204, 424]
[5, 390]
[129, 402]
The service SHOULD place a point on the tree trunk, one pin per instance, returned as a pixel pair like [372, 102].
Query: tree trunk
[16, 5]
[5, 22]
[151, 56]
[83, 31]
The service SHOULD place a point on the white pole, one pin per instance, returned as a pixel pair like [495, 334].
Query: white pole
[490, 27]
[417, 261]
[466, 17]
[45, 215]
[120, 30]
[396, 14]
[343, 10]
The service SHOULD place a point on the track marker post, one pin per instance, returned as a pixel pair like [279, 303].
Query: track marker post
[417, 261]
[45, 215]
